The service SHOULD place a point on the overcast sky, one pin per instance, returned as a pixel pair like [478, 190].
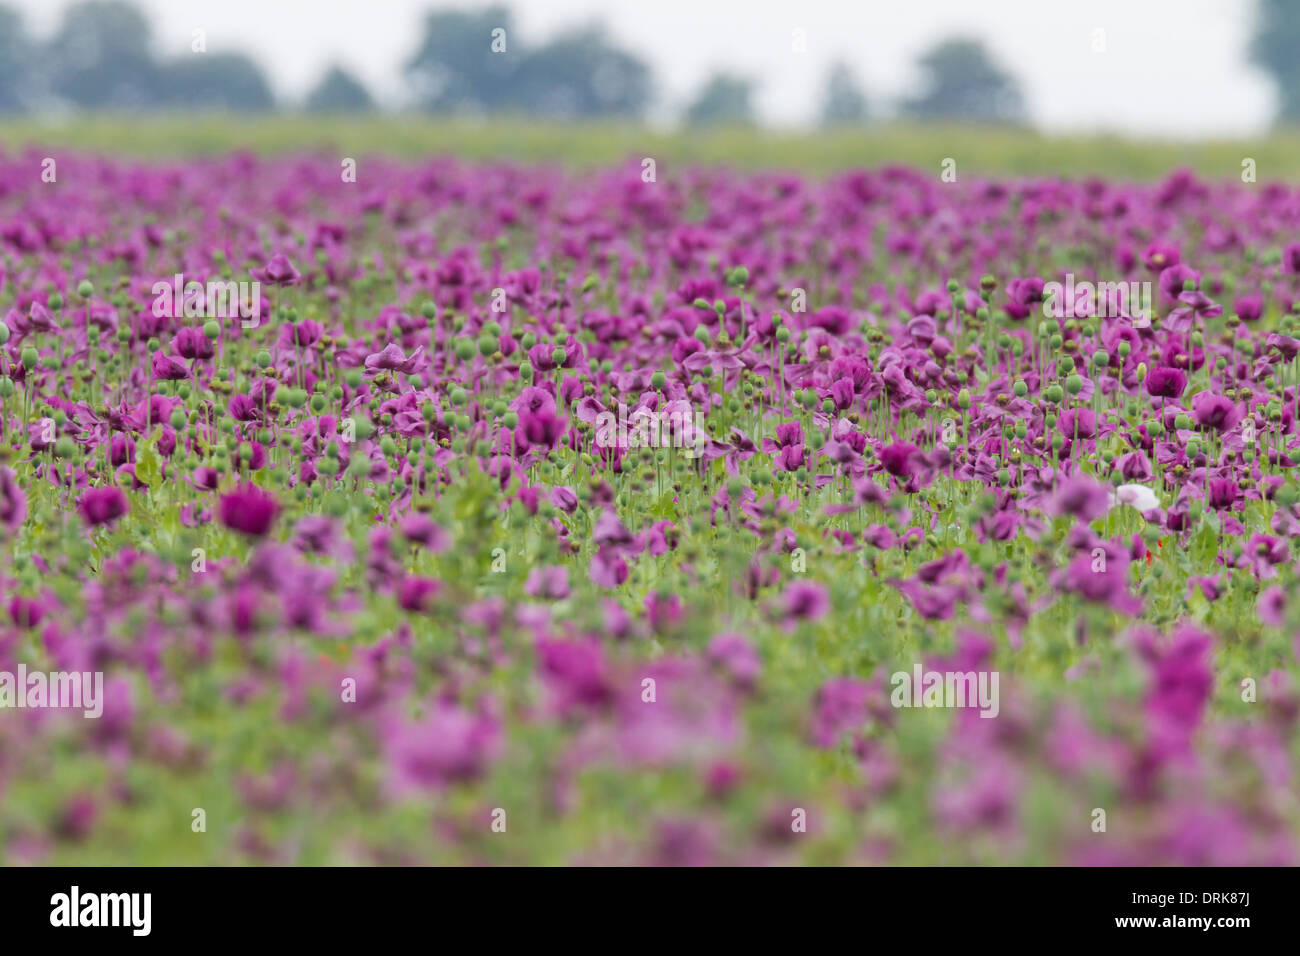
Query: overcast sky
[1170, 68]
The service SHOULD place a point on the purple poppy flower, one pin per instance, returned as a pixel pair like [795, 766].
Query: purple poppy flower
[166, 368]
[550, 582]
[40, 319]
[1100, 576]
[543, 428]
[1077, 423]
[417, 593]
[1271, 606]
[1165, 382]
[607, 569]
[1291, 257]
[1249, 307]
[736, 656]
[1160, 256]
[901, 459]
[423, 530]
[1181, 681]
[1174, 278]
[304, 334]
[243, 408]
[1215, 411]
[1083, 497]
[937, 602]
[280, 271]
[190, 343]
[248, 510]
[1224, 493]
[13, 501]
[449, 745]
[841, 705]
[393, 358]
[102, 505]
[805, 601]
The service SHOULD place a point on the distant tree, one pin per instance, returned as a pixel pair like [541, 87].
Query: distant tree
[842, 102]
[1277, 38]
[339, 92]
[100, 58]
[725, 98]
[217, 81]
[580, 74]
[964, 83]
[17, 63]
[455, 69]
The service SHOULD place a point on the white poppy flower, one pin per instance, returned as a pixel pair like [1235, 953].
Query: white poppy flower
[1139, 496]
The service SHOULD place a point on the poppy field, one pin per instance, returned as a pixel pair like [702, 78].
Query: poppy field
[449, 511]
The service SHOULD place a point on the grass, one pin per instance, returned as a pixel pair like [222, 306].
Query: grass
[978, 151]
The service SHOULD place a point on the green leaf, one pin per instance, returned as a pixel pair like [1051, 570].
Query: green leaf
[148, 465]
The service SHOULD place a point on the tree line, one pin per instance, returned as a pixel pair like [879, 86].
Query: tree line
[474, 63]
